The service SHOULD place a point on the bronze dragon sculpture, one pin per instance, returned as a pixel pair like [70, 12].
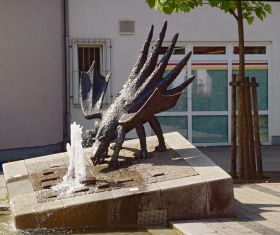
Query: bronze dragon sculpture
[144, 94]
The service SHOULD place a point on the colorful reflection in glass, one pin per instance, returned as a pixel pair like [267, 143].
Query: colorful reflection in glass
[209, 129]
[209, 89]
[174, 123]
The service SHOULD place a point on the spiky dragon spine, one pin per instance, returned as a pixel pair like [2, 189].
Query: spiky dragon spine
[143, 95]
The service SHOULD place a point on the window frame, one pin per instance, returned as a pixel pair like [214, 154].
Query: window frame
[228, 57]
[105, 64]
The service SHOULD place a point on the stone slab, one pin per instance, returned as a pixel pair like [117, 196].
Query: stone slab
[181, 183]
[14, 171]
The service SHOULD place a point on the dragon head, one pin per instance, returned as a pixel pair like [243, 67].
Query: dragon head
[100, 146]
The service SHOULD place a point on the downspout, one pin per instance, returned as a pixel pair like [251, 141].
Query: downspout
[66, 82]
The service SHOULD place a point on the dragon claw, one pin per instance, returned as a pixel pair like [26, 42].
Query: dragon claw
[113, 163]
[143, 154]
[160, 148]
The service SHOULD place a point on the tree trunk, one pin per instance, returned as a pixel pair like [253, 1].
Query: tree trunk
[250, 127]
[233, 127]
[256, 127]
[242, 125]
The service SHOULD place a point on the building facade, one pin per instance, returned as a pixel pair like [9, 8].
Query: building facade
[45, 45]
[32, 78]
[113, 33]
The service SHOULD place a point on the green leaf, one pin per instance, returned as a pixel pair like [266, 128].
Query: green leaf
[167, 9]
[163, 2]
[259, 13]
[184, 7]
[199, 2]
[214, 3]
[267, 8]
[151, 3]
[250, 19]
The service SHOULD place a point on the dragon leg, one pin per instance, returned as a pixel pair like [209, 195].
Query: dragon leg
[158, 131]
[142, 138]
[119, 141]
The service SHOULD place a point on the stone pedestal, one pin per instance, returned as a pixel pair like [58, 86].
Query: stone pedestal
[180, 183]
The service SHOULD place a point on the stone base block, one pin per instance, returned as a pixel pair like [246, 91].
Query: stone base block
[173, 185]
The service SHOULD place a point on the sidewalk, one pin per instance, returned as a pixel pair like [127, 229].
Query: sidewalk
[257, 205]
[221, 156]
[258, 212]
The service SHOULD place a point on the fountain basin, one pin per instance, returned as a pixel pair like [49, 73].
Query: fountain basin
[180, 183]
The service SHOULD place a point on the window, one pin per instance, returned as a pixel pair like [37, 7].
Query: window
[83, 53]
[209, 129]
[203, 112]
[176, 50]
[206, 50]
[259, 70]
[251, 50]
[174, 123]
[88, 54]
[210, 86]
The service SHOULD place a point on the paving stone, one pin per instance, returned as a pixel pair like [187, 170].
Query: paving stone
[57, 164]
[89, 181]
[4, 195]
[155, 173]
[192, 227]
[19, 187]
[162, 231]
[124, 179]
[14, 171]
[2, 181]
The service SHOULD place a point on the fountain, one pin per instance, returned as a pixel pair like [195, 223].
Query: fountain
[76, 172]
[136, 184]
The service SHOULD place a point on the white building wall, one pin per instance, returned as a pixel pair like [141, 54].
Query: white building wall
[100, 19]
[31, 73]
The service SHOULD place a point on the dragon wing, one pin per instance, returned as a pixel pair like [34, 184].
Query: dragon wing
[92, 88]
[159, 101]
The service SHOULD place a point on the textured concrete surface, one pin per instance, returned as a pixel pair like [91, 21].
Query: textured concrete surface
[203, 191]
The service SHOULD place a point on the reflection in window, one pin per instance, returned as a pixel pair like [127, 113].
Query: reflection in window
[261, 76]
[263, 123]
[204, 83]
[176, 50]
[182, 103]
[174, 123]
[209, 50]
[251, 50]
[209, 129]
[209, 90]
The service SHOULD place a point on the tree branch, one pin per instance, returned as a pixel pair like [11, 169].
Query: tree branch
[233, 13]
